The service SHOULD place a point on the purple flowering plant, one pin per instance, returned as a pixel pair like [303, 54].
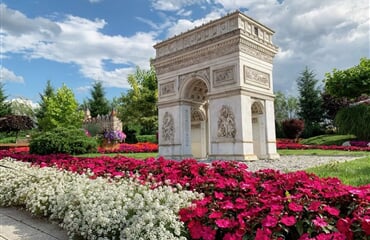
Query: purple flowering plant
[114, 136]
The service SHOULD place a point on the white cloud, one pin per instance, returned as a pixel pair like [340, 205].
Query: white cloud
[174, 5]
[8, 76]
[79, 41]
[183, 25]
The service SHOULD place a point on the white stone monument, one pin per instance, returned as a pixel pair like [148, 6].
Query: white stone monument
[215, 91]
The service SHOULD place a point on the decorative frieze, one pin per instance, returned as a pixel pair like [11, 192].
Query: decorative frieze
[168, 128]
[256, 77]
[226, 123]
[224, 76]
[167, 88]
[259, 52]
[199, 56]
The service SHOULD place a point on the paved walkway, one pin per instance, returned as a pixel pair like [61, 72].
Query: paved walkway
[18, 224]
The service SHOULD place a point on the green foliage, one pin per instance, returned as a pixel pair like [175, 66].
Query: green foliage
[355, 173]
[98, 104]
[351, 83]
[332, 139]
[138, 106]
[147, 138]
[4, 106]
[285, 107]
[62, 140]
[61, 110]
[354, 120]
[310, 102]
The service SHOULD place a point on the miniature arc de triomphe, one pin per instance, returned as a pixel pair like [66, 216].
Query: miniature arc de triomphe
[215, 96]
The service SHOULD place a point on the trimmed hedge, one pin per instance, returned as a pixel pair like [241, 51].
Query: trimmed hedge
[147, 138]
[354, 120]
[62, 140]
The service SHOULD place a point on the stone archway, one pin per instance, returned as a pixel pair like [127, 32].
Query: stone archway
[258, 129]
[195, 94]
[215, 87]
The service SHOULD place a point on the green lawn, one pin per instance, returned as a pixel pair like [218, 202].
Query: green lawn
[355, 173]
[132, 155]
[329, 139]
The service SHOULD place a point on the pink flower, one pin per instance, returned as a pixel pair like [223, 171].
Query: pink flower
[314, 206]
[295, 207]
[365, 225]
[269, 221]
[215, 215]
[332, 211]
[344, 226]
[319, 222]
[263, 234]
[223, 223]
[288, 220]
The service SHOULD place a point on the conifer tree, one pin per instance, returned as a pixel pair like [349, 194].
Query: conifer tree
[98, 104]
[47, 94]
[310, 102]
[5, 108]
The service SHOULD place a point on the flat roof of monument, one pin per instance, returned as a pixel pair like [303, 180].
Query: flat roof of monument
[214, 22]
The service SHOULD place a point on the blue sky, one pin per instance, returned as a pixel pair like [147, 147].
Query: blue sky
[77, 42]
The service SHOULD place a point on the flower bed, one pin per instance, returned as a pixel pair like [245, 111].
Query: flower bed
[131, 148]
[284, 144]
[239, 204]
[95, 209]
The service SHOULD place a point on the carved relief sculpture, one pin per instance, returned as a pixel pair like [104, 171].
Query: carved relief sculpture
[168, 128]
[224, 76]
[226, 123]
[256, 76]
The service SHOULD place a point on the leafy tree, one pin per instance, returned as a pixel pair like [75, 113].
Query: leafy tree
[4, 105]
[61, 110]
[332, 104]
[137, 107]
[285, 107]
[98, 104]
[47, 94]
[15, 123]
[351, 83]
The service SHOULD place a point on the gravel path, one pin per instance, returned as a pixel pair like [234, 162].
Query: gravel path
[296, 162]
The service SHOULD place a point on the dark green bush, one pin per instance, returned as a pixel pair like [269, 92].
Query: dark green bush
[147, 138]
[354, 120]
[62, 140]
[279, 130]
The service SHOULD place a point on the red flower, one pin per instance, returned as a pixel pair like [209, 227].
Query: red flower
[288, 220]
[344, 226]
[215, 215]
[365, 225]
[314, 206]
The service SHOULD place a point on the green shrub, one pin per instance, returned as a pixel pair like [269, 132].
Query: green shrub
[147, 138]
[279, 130]
[312, 130]
[354, 120]
[62, 140]
[328, 139]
